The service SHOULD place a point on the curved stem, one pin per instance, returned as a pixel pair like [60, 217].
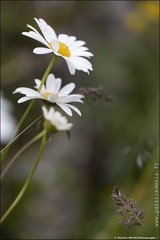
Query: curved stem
[24, 188]
[19, 153]
[31, 104]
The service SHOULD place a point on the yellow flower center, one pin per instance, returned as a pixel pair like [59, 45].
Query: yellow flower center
[64, 50]
[46, 94]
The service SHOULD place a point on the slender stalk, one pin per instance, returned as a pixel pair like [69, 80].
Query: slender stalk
[19, 153]
[31, 104]
[24, 188]
[47, 72]
[21, 133]
[16, 130]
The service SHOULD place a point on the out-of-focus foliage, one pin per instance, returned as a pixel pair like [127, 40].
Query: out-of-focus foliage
[114, 143]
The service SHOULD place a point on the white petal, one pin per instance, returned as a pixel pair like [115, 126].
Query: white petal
[76, 44]
[55, 45]
[57, 54]
[46, 29]
[24, 99]
[84, 61]
[79, 49]
[74, 108]
[66, 89]
[41, 50]
[65, 108]
[33, 28]
[47, 35]
[70, 40]
[80, 63]
[38, 82]
[52, 32]
[71, 98]
[45, 112]
[51, 112]
[43, 27]
[27, 92]
[50, 83]
[62, 38]
[73, 60]
[77, 52]
[70, 66]
[36, 36]
[58, 84]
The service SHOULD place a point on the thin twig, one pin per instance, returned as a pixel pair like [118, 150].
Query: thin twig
[18, 154]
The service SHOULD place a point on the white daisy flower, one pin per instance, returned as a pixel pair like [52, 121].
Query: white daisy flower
[55, 121]
[53, 94]
[65, 46]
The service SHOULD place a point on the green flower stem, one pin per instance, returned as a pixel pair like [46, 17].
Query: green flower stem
[24, 188]
[47, 72]
[30, 105]
[20, 152]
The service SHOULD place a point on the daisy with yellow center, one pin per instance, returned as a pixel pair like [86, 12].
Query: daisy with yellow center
[52, 93]
[64, 46]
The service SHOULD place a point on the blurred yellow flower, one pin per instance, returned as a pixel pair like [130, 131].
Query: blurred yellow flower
[149, 9]
[135, 22]
[145, 13]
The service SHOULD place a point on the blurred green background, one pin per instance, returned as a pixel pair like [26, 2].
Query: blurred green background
[113, 143]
